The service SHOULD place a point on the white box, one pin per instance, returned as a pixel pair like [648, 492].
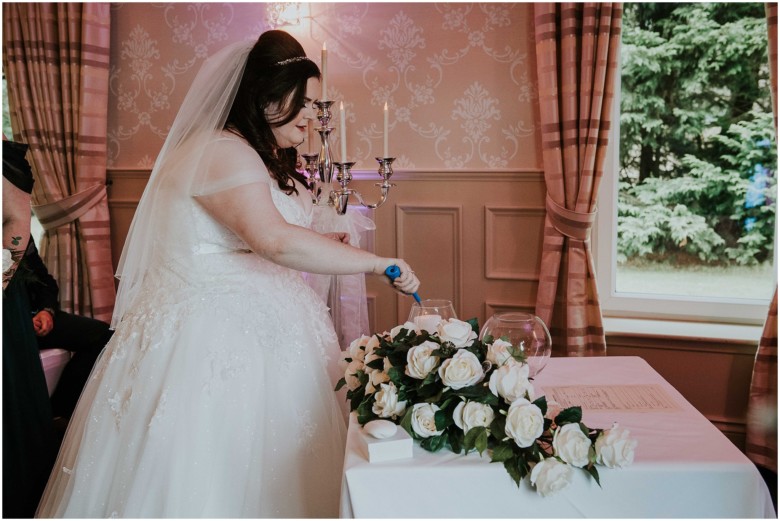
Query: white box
[397, 446]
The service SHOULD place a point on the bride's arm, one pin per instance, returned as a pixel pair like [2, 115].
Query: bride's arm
[249, 212]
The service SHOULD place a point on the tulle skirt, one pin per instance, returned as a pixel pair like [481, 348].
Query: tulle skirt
[213, 399]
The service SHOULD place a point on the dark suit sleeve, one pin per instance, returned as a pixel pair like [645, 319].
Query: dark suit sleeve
[41, 286]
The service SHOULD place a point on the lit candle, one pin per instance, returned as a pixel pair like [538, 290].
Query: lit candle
[324, 73]
[343, 119]
[311, 136]
[428, 323]
[384, 143]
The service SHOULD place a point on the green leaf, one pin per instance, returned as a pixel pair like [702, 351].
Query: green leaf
[502, 452]
[378, 363]
[482, 440]
[428, 390]
[498, 427]
[341, 383]
[541, 402]
[470, 440]
[406, 423]
[365, 412]
[455, 437]
[593, 471]
[474, 324]
[434, 443]
[396, 375]
[476, 392]
[569, 415]
[513, 469]
[442, 419]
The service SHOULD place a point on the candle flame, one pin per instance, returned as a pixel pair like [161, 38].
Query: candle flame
[323, 46]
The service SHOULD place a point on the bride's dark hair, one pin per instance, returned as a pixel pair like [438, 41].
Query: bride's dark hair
[271, 77]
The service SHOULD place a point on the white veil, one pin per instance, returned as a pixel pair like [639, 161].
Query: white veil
[160, 228]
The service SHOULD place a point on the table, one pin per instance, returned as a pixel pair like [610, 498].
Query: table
[684, 467]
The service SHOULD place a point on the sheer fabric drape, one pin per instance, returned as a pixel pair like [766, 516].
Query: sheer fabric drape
[577, 62]
[56, 63]
[761, 428]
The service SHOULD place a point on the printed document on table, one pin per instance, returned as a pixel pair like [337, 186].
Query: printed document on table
[648, 397]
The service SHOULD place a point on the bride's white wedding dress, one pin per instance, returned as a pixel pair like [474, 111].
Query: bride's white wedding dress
[213, 398]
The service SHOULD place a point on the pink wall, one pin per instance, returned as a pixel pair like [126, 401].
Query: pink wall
[459, 78]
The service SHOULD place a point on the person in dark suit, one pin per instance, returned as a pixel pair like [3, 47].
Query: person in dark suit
[85, 337]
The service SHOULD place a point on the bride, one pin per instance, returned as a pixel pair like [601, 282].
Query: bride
[213, 397]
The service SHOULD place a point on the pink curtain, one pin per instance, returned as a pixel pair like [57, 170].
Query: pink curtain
[762, 405]
[55, 57]
[577, 48]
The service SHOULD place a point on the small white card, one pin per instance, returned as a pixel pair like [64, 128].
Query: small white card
[397, 446]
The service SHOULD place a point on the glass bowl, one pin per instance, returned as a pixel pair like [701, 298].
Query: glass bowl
[527, 333]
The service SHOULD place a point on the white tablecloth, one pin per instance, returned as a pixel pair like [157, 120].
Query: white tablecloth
[684, 467]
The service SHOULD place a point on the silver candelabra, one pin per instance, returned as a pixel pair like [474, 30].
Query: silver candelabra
[320, 170]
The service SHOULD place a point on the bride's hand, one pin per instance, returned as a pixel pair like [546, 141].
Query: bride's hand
[407, 282]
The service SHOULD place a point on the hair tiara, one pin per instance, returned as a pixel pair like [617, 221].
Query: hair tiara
[294, 59]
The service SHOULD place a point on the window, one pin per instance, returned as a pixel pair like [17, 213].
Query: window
[686, 229]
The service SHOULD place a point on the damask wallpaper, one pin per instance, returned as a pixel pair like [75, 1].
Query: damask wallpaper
[459, 78]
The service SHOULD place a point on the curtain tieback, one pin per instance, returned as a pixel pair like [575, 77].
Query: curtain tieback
[66, 210]
[575, 225]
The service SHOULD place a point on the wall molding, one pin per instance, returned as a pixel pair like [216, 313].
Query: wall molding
[662, 342]
[403, 212]
[445, 175]
[123, 203]
[491, 214]
[492, 307]
[129, 173]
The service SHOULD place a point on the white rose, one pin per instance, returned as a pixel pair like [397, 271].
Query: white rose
[356, 349]
[406, 325]
[550, 476]
[375, 378]
[524, 422]
[456, 331]
[510, 382]
[423, 422]
[572, 445]
[499, 353]
[371, 344]
[420, 362]
[461, 370]
[468, 415]
[343, 363]
[387, 404]
[349, 374]
[614, 448]
[7, 260]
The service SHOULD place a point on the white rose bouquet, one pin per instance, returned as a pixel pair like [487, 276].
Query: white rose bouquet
[446, 387]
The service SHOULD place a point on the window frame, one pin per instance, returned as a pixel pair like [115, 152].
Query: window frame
[707, 310]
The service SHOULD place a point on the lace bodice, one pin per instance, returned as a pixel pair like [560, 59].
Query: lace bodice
[212, 236]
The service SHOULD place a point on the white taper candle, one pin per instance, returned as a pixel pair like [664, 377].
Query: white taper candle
[324, 71]
[343, 120]
[384, 134]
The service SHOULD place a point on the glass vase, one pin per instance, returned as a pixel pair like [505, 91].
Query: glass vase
[428, 313]
[527, 333]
